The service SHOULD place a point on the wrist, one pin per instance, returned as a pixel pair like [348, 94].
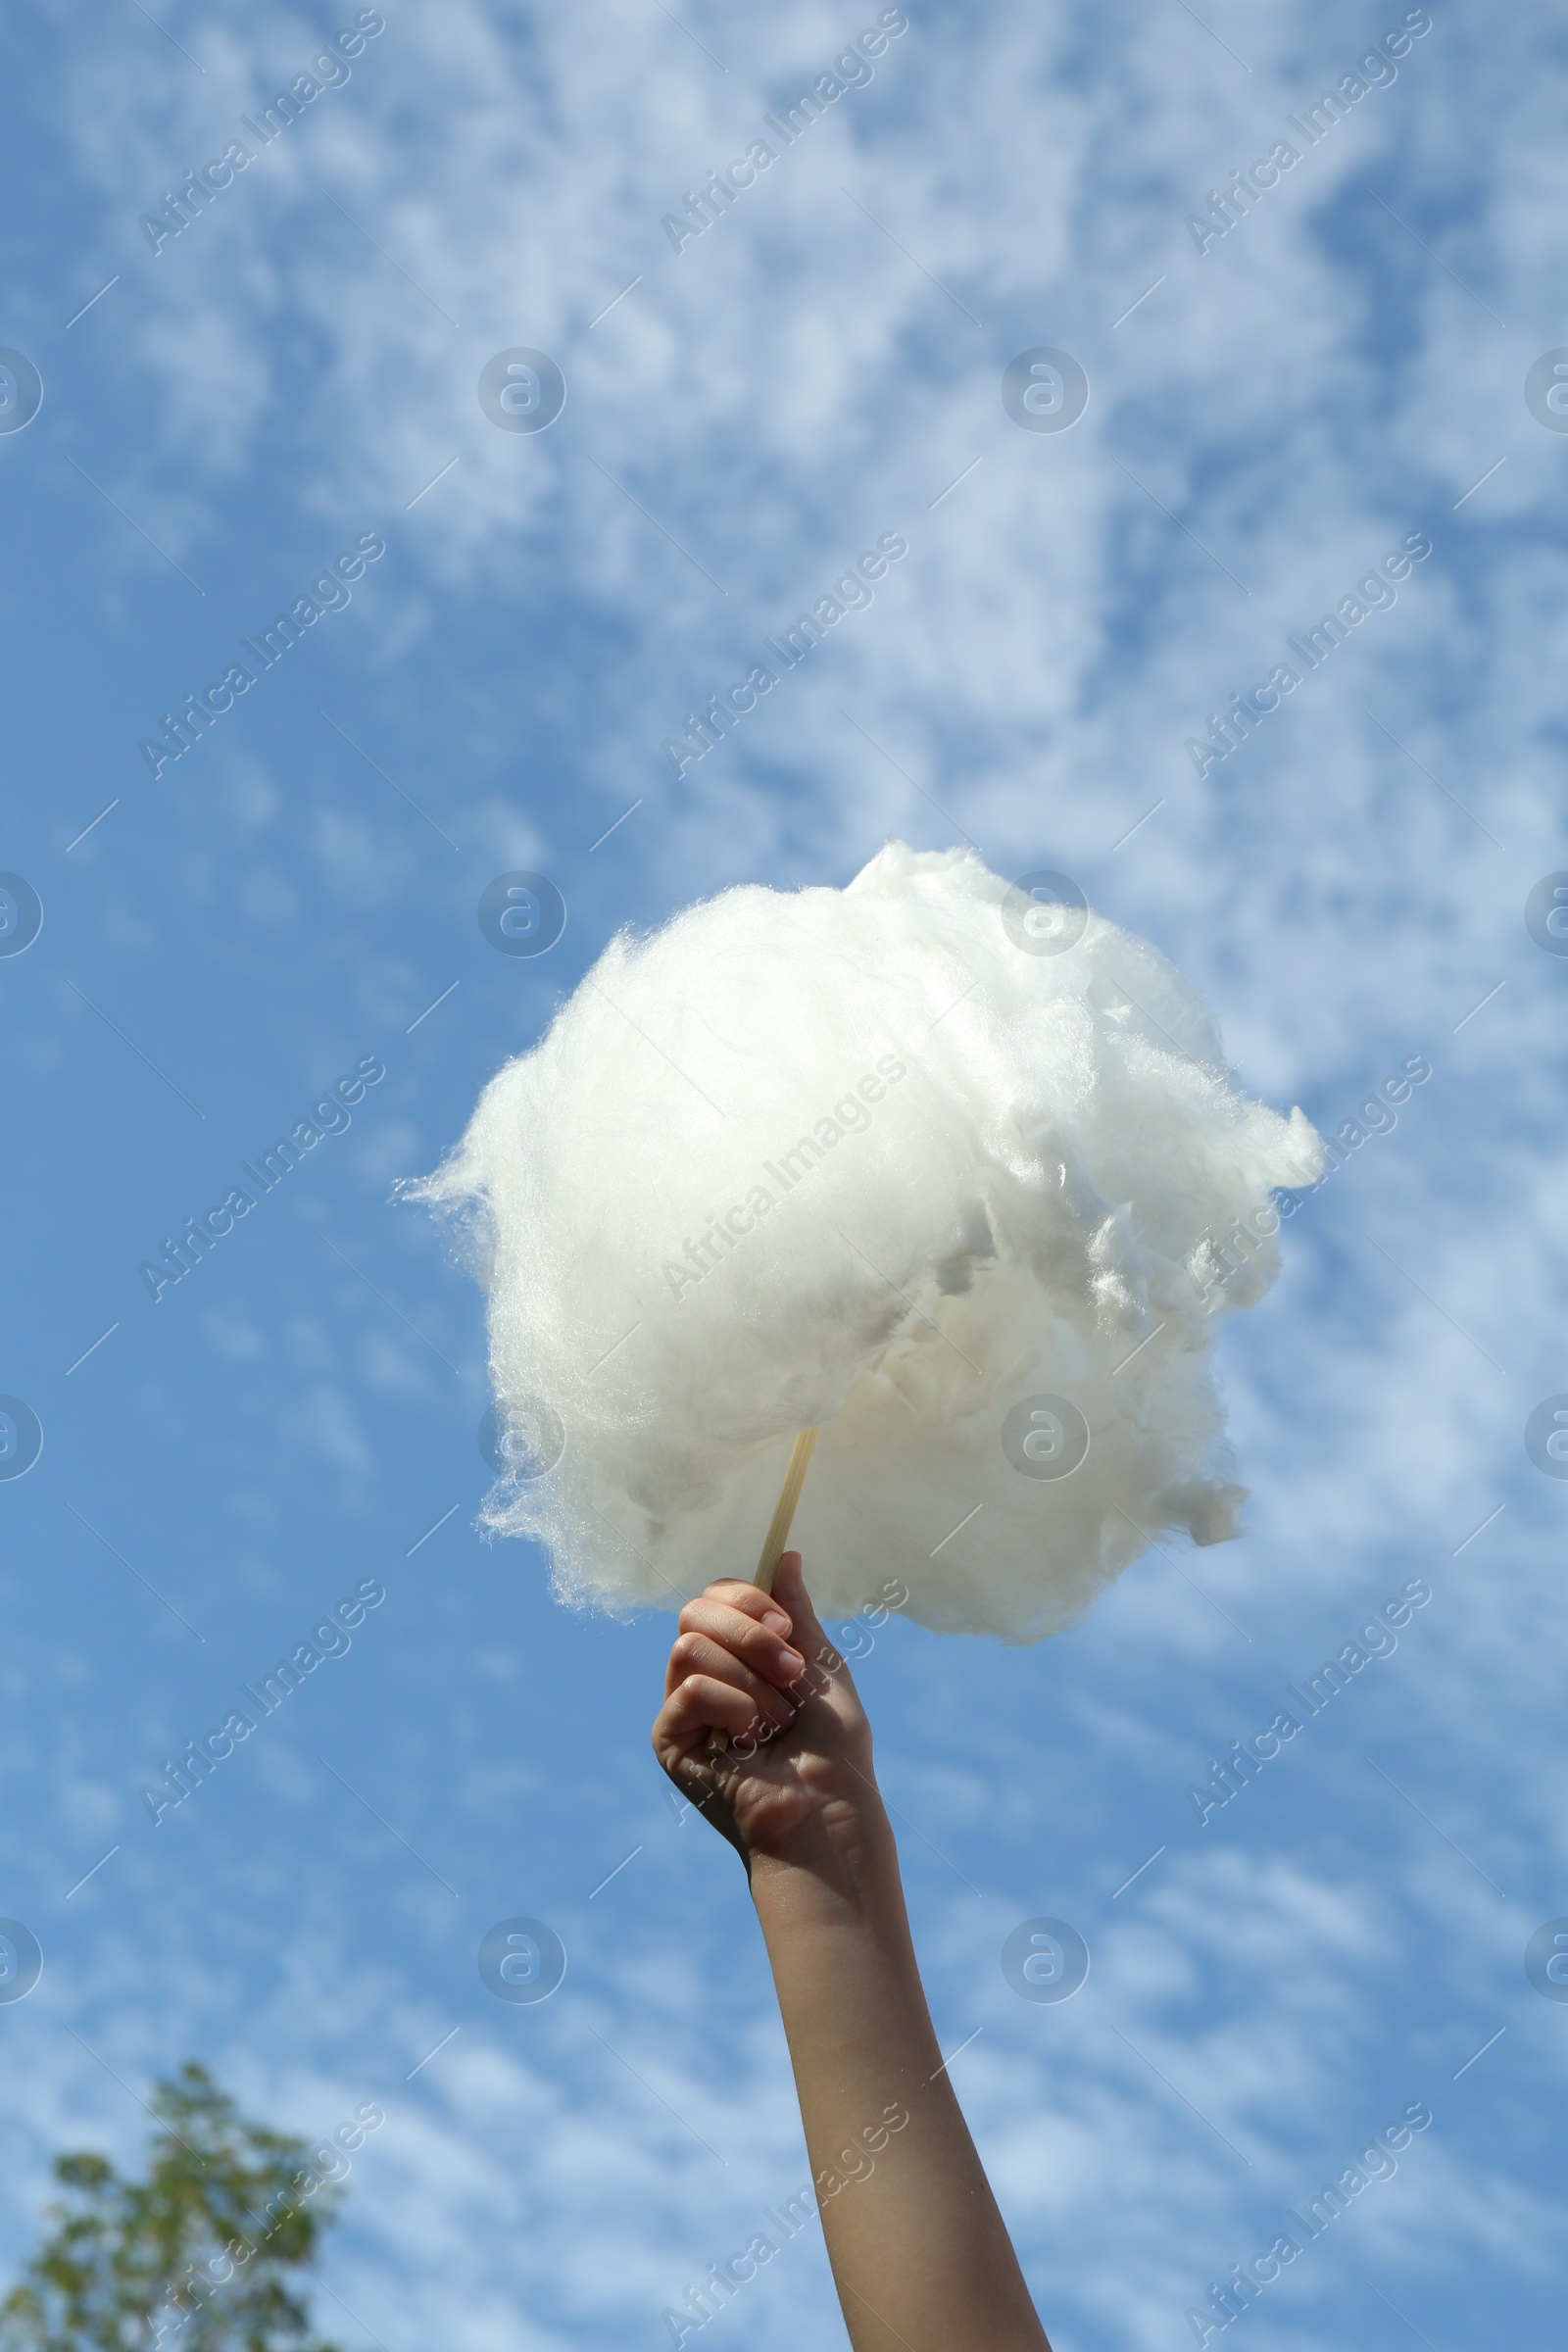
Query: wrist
[841, 1870]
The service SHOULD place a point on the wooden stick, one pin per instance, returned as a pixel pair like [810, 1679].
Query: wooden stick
[778, 1528]
[789, 1494]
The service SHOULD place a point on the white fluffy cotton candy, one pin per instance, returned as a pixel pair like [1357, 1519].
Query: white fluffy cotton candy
[953, 1172]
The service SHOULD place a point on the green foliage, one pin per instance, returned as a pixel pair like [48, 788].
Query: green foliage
[201, 2255]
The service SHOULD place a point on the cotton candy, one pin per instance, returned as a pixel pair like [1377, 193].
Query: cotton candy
[950, 1167]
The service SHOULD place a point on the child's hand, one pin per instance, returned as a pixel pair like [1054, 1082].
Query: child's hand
[795, 1782]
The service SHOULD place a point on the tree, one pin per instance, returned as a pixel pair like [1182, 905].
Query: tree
[201, 2255]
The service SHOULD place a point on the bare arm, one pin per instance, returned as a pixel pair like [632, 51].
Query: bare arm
[919, 2252]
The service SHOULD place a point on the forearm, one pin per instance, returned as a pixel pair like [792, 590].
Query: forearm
[918, 2249]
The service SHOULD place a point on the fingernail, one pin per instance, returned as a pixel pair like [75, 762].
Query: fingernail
[776, 1621]
[792, 1659]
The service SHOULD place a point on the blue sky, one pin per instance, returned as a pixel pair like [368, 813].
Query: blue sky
[296, 372]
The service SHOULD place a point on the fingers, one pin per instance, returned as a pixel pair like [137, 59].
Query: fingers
[715, 1622]
[727, 1672]
[752, 1598]
[700, 1655]
[732, 1669]
[704, 1704]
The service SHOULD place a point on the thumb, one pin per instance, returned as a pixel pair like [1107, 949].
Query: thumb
[826, 1684]
[789, 1590]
